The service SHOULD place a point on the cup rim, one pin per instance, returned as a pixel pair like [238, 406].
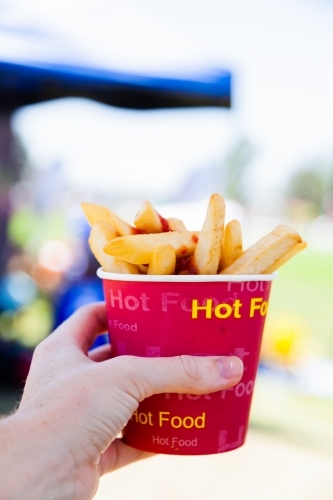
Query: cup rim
[183, 278]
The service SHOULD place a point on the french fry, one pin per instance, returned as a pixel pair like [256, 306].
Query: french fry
[143, 268]
[176, 224]
[232, 247]
[208, 250]
[100, 234]
[265, 252]
[95, 213]
[163, 260]
[158, 246]
[138, 249]
[149, 220]
[288, 255]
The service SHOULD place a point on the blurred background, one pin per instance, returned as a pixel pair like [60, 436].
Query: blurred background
[115, 102]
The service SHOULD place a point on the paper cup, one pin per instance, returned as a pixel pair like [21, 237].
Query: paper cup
[153, 316]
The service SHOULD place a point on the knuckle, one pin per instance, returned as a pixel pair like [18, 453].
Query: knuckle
[43, 348]
[190, 367]
[127, 364]
[133, 379]
[47, 348]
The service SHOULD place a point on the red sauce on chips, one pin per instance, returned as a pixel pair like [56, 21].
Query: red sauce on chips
[138, 231]
[185, 265]
[165, 224]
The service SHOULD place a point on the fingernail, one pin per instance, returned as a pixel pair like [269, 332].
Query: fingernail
[229, 367]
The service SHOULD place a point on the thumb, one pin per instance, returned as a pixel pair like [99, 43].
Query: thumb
[142, 377]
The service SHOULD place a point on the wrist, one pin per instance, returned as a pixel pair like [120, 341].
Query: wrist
[34, 463]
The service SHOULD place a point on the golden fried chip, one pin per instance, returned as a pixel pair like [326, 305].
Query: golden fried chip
[176, 224]
[208, 250]
[288, 255]
[163, 260]
[265, 252]
[95, 213]
[148, 219]
[139, 248]
[232, 247]
[101, 233]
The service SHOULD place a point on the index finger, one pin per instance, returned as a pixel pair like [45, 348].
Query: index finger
[84, 325]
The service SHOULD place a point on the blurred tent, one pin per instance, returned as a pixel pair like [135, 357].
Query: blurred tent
[109, 51]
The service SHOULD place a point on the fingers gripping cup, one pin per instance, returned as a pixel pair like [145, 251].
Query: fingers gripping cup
[219, 315]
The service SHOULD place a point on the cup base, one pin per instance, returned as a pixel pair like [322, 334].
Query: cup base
[184, 448]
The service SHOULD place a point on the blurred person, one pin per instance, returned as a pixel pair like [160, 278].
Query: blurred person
[63, 436]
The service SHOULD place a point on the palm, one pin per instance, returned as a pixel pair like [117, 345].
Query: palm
[117, 455]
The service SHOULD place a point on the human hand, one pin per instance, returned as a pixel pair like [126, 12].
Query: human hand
[79, 401]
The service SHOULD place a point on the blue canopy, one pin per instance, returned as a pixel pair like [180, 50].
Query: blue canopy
[102, 58]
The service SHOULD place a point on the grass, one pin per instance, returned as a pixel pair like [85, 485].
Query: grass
[303, 290]
[304, 420]
[305, 287]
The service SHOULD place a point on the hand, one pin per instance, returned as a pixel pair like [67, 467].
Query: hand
[75, 403]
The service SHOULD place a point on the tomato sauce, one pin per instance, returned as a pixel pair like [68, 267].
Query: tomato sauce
[165, 224]
[185, 265]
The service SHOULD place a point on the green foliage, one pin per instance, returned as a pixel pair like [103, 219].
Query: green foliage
[29, 229]
[236, 166]
[305, 287]
[311, 182]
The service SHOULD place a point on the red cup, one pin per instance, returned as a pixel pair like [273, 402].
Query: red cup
[154, 316]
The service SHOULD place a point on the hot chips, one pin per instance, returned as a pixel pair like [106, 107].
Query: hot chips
[148, 220]
[101, 233]
[95, 213]
[232, 247]
[163, 260]
[264, 253]
[176, 225]
[208, 250]
[138, 249]
[157, 245]
[287, 256]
